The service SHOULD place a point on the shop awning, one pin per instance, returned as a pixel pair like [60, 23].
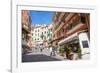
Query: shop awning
[69, 39]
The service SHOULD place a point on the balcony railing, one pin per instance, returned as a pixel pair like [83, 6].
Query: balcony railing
[62, 23]
[58, 27]
[26, 27]
[68, 17]
[61, 16]
[75, 28]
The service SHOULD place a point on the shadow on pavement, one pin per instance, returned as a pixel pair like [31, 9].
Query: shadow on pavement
[38, 58]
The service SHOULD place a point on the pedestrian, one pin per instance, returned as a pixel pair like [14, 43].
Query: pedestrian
[74, 52]
[74, 49]
[50, 51]
[75, 56]
[65, 50]
[41, 49]
[56, 50]
[53, 51]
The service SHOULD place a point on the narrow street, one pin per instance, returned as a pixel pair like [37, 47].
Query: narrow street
[38, 56]
[55, 36]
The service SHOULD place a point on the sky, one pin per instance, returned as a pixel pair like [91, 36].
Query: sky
[41, 17]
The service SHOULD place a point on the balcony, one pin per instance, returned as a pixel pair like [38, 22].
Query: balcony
[61, 15]
[62, 23]
[61, 36]
[80, 25]
[58, 27]
[68, 17]
[26, 27]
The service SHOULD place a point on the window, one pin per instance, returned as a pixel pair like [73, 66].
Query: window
[85, 44]
[42, 33]
[45, 32]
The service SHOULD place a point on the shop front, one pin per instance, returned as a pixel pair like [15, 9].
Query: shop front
[73, 45]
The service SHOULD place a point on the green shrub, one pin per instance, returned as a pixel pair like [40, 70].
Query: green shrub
[61, 50]
[79, 52]
[69, 50]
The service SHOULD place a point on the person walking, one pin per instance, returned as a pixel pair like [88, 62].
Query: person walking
[50, 51]
[41, 48]
[74, 52]
[66, 52]
[53, 51]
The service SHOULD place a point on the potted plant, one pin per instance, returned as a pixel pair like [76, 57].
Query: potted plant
[61, 50]
[79, 52]
[69, 50]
